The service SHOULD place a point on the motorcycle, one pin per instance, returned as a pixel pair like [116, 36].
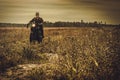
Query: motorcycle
[36, 33]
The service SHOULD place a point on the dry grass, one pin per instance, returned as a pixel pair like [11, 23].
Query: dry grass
[75, 54]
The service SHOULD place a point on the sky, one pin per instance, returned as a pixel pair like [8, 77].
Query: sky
[22, 11]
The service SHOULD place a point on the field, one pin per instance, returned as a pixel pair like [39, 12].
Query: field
[85, 53]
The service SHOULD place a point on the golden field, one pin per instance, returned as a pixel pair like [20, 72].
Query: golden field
[85, 53]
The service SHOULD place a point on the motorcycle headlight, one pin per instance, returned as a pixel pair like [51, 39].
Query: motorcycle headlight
[33, 25]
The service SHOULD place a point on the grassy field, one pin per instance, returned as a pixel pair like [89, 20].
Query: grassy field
[85, 53]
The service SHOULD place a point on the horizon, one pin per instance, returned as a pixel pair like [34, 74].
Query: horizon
[98, 23]
[20, 11]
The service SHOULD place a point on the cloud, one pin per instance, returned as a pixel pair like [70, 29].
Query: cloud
[109, 9]
[54, 10]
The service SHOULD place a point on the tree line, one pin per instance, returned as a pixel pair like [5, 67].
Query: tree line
[63, 24]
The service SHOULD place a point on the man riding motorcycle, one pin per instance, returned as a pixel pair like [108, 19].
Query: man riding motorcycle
[36, 29]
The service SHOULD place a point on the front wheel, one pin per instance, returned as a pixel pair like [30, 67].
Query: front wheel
[40, 38]
[32, 37]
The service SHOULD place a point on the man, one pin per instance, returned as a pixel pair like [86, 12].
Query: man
[36, 29]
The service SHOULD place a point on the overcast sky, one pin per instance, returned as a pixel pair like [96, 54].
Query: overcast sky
[21, 11]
